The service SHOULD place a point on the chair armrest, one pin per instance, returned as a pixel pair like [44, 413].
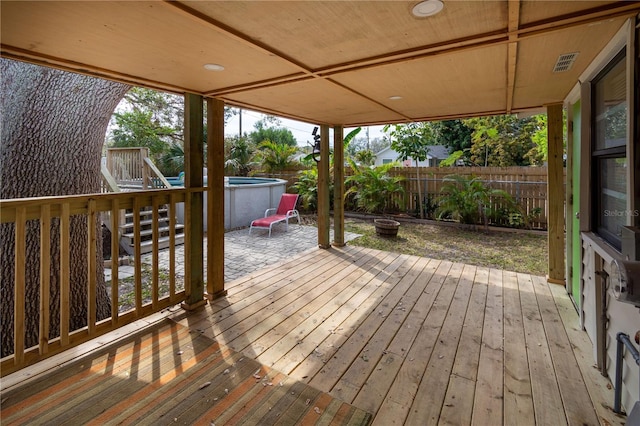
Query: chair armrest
[292, 213]
[266, 212]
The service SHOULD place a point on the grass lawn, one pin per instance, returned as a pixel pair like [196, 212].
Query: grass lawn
[513, 251]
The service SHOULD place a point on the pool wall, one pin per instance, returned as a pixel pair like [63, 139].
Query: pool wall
[245, 199]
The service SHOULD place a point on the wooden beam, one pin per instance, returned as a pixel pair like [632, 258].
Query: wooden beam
[323, 190]
[633, 131]
[512, 51]
[193, 153]
[555, 194]
[585, 157]
[338, 186]
[215, 199]
[569, 273]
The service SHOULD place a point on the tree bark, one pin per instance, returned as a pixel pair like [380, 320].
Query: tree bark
[53, 129]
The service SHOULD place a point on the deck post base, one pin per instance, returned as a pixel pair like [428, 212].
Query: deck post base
[193, 306]
[555, 281]
[216, 295]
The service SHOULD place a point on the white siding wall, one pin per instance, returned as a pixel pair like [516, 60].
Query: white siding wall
[623, 317]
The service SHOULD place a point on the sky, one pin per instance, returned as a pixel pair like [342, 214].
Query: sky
[301, 131]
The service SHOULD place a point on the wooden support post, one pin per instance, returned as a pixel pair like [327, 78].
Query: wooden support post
[193, 154]
[338, 186]
[555, 194]
[215, 199]
[323, 190]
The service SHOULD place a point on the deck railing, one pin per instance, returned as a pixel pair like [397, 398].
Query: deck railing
[132, 169]
[50, 221]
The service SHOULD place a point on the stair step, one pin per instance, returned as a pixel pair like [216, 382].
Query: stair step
[146, 212]
[145, 223]
[145, 232]
[163, 242]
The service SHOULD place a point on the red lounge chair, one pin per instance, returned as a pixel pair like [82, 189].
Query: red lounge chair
[285, 211]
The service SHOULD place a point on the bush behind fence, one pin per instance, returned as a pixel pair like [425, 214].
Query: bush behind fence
[527, 185]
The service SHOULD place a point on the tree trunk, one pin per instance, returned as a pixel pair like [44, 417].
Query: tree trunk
[53, 129]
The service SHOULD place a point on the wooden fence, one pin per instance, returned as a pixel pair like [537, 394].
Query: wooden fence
[527, 185]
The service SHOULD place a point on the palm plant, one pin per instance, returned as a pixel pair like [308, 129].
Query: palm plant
[276, 157]
[307, 188]
[468, 200]
[373, 188]
[241, 153]
[172, 161]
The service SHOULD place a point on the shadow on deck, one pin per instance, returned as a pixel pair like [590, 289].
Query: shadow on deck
[347, 335]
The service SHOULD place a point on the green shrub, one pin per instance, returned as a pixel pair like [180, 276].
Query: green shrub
[372, 188]
[468, 200]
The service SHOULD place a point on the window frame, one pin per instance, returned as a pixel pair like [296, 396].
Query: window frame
[598, 156]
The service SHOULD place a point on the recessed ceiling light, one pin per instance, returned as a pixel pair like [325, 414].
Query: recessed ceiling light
[427, 8]
[213, 67]
[395, 98]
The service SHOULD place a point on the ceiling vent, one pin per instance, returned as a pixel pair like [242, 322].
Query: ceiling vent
[565, 62]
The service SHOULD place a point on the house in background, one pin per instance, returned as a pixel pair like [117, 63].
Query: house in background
[437, 153]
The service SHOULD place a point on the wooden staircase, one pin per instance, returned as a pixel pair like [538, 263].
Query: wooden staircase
[127, 234]
[130, 169]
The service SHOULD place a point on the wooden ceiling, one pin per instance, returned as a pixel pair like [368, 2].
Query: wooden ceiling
[325, 62]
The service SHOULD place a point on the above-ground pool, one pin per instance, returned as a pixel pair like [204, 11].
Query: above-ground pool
[245, 199]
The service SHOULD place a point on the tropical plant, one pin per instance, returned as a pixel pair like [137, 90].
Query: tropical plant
[365, 157]
[468, 200]
[412, 143]
[372, 188]
[274, 156]
[240, 156]
[172, 161]
[307, 188]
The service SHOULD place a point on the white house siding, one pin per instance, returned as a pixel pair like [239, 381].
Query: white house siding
[622, 317]
[589, 294]
[389, 155]
[597, 255]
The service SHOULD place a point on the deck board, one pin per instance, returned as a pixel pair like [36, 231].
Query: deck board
[544, 386]
[340, 336]
[489, 391]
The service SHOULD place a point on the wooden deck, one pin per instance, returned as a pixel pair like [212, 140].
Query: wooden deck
[408, 340]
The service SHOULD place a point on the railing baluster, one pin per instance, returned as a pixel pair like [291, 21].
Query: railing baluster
[137, 253]
[64, 274]
[19, 290]
[172, 246]
[45, 276]
[47, 211]
[155, 232]
[115, 257]
[92, 271]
